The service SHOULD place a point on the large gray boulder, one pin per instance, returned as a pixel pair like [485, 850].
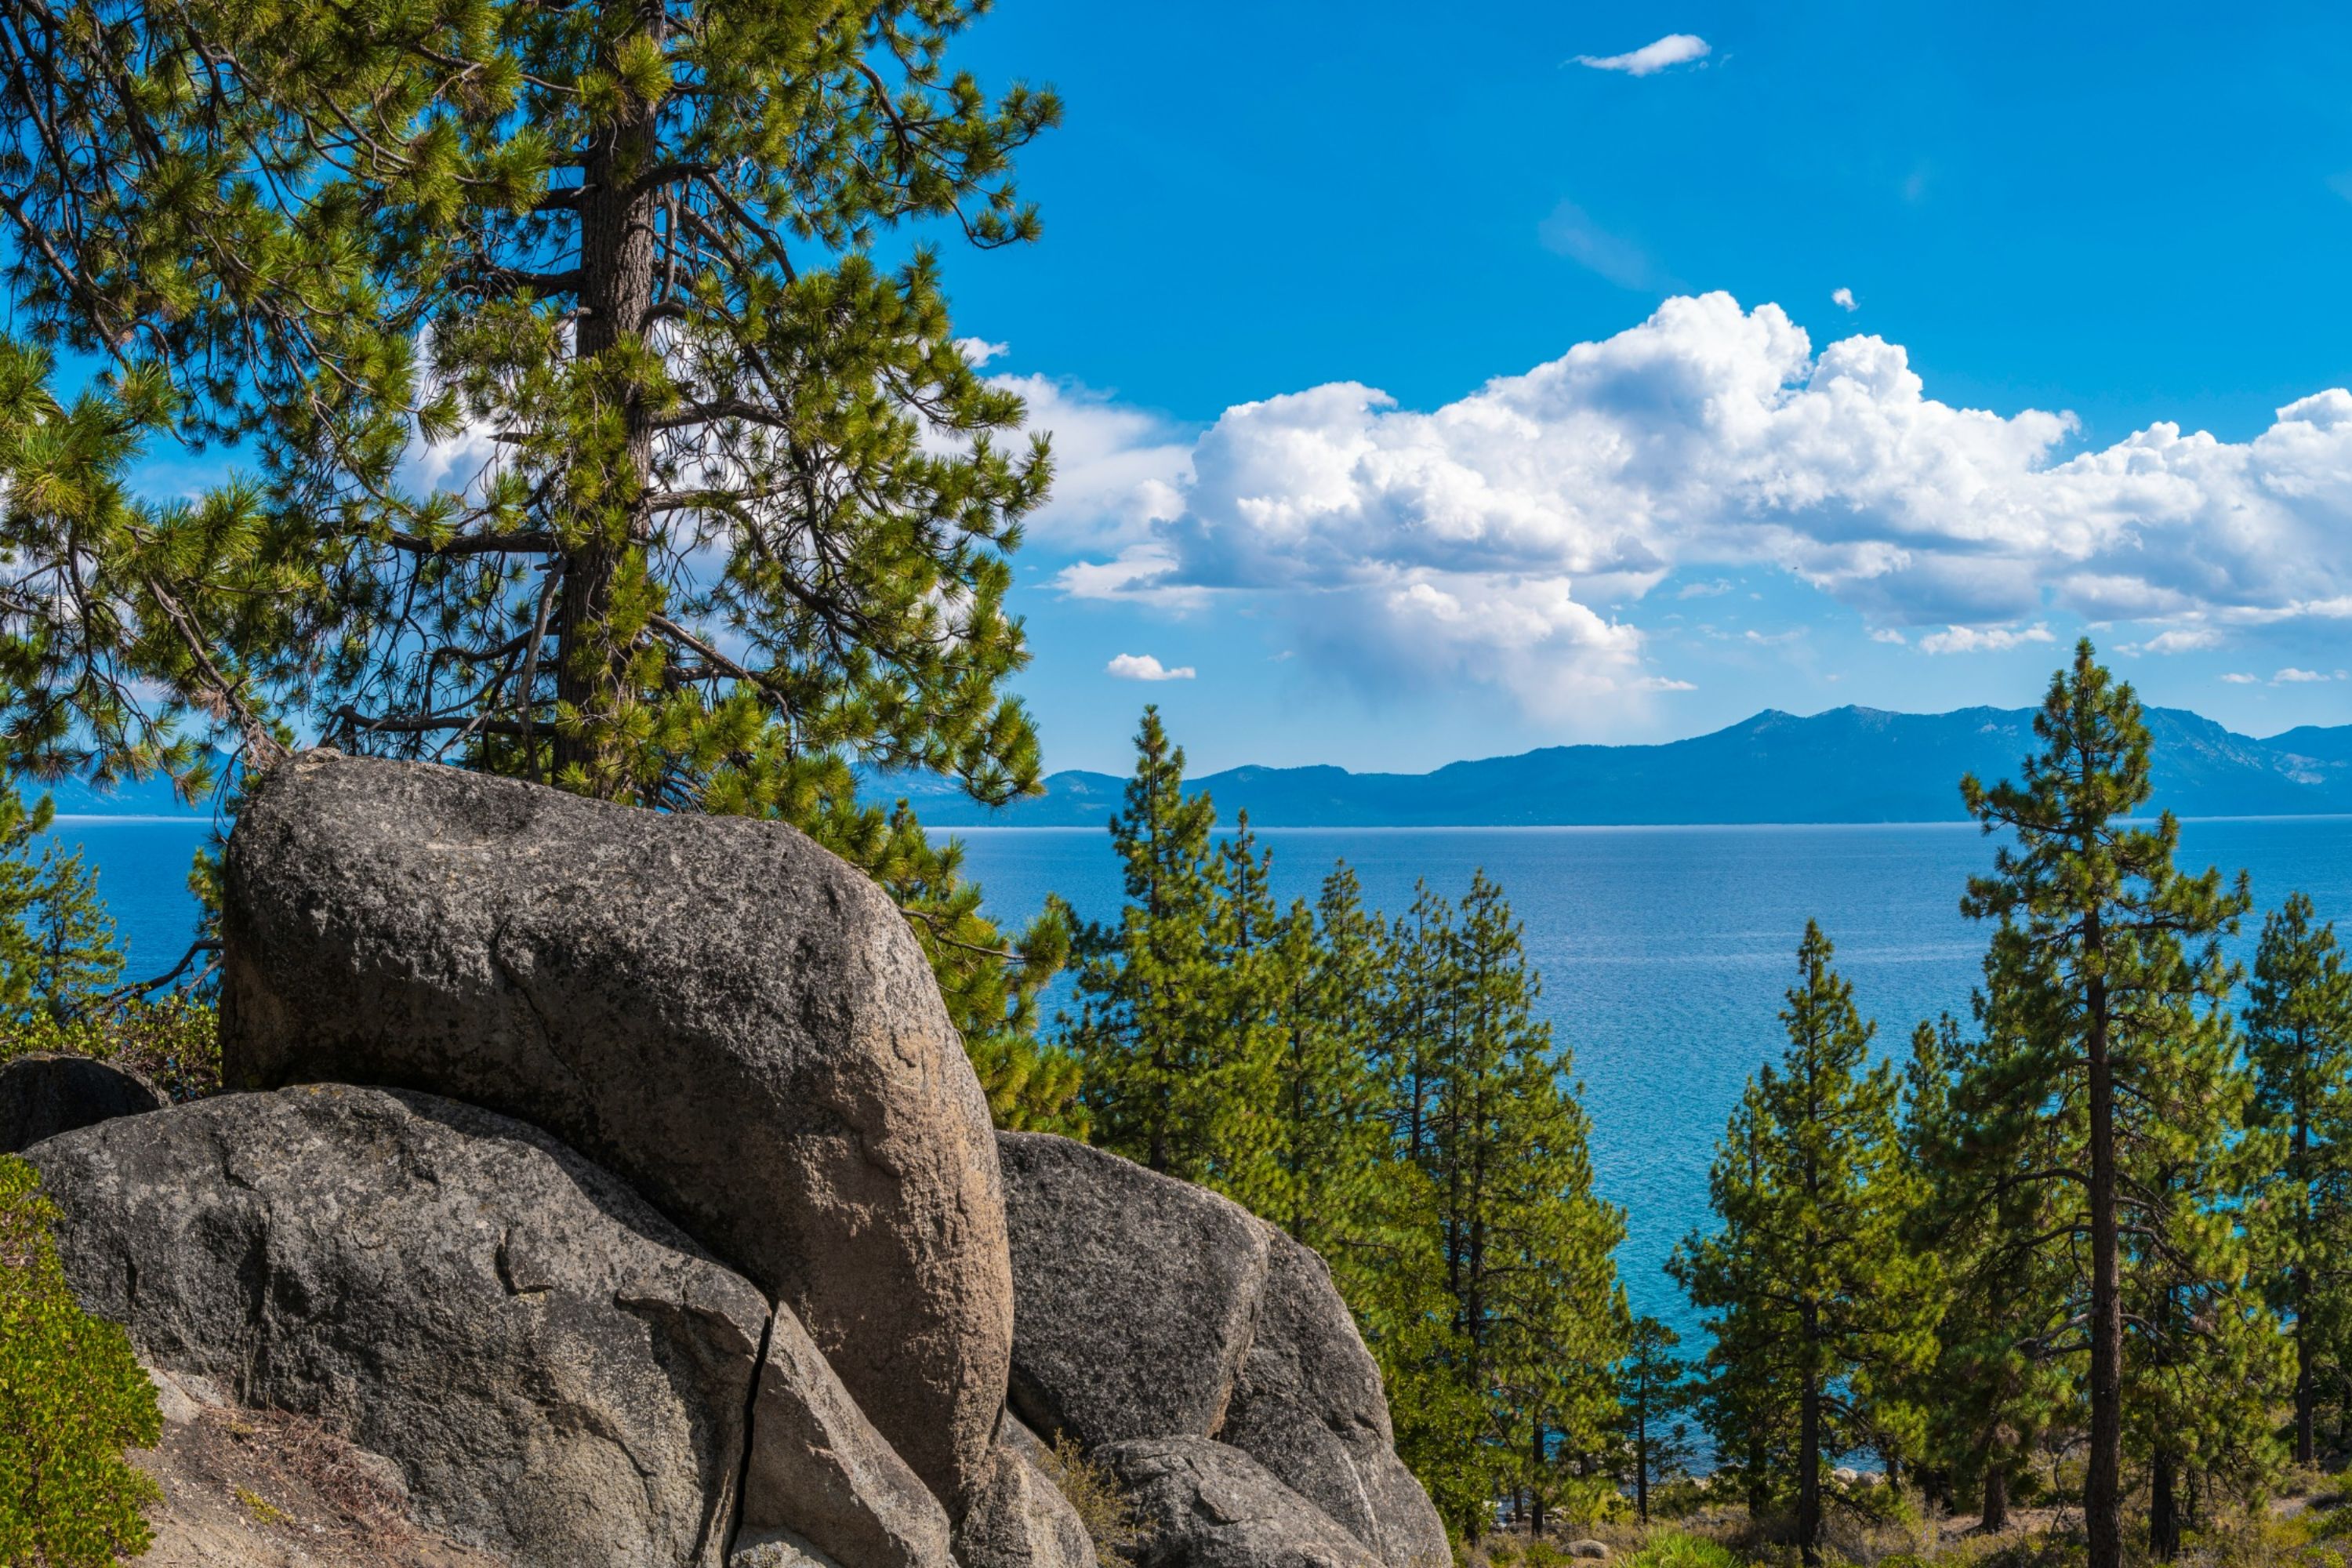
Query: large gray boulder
[1308, 1406]
[735, 1021]
[1020, 1520]
[820, 1475]
[559, 1374]
[43, 1095]
[1205, 1505]
[1133, 1294]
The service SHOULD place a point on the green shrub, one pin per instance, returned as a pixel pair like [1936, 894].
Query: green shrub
[1676, 1549]
[174, 1044]
[72, 1398]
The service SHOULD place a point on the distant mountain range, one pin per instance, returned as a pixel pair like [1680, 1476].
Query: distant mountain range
[1850, 765]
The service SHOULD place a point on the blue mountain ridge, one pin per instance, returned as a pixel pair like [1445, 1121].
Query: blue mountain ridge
[1849, 764]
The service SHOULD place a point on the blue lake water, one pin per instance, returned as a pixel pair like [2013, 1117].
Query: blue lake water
[1664, 951]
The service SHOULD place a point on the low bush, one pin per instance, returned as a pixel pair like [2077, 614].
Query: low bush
[72, 1399]
[1676, 1549]
[1111, 1524]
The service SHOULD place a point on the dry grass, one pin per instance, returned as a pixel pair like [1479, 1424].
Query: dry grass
[1101, 1507]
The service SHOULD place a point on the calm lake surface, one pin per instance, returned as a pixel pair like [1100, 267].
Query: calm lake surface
[1664, 950]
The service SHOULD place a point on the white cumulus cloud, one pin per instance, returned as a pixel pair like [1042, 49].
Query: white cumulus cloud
[2294, 677]
[1471, 541]
[1144, 667]
[1844, 300]
[1673, 50]
[2236, 677]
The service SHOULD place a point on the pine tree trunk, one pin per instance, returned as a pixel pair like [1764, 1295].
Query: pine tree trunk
[1809, 1458]
[1995, 1517]
[1535, 1492]
[2300, 1284]
[617, 221]
[1760, 1494]
[1642, 1469]
[2164, 1506]
[2103, 1485]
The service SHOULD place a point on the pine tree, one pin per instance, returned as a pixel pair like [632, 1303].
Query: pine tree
[1329, 1100]
[1150, 1030]
[1814, 1194]
[2095, 943]
[76, 959]
[1653, 1391]
[747, 520]
[1522, 1245]
[1996, 1384]
[2298, 1024]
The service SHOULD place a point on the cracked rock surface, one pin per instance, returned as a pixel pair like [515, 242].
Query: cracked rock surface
[559, 1374]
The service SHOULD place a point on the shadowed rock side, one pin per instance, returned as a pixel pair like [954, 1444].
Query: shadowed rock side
[1147, 1308]
[1205, 1505]
[560, 1375]
[729, 1017]
[820, 1473]
[43, 1095]
[1308, 1406]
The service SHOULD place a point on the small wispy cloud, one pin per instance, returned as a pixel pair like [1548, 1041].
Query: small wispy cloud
[978, 351]
[2290, 676]
[1673, 50]
[1983, 639]
[1709, 590]
[1661, 683]
[1844, 300]
[2238, 677]
[1888, 635]
[1570, 231]
[1144, 667]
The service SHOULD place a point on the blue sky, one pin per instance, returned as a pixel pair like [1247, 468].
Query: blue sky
[1426, 393]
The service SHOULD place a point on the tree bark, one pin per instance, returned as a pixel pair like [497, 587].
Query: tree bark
[1994, 1519]
[2164, 1507]
[2103, 1485]
[1809, 1458]
[2299, 1284]
[617, 223]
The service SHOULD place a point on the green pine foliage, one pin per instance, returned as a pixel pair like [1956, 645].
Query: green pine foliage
[72, 1399]
[1820, 1297]
[751, 523]
[2298, 1021]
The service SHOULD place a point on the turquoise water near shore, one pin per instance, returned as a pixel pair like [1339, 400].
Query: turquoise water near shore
[1664, 950]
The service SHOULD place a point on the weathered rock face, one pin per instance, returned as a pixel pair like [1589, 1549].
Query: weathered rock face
[560, 1373]
[42, 1096]
[1209, 1505]
[1308, 1406]
[1020, 1520]
[733, 1020]
[1134, 1294]
[819, 1470]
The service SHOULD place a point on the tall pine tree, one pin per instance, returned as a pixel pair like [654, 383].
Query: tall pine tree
[2107, 949]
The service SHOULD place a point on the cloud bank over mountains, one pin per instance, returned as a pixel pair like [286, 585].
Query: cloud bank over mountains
[1488, 538]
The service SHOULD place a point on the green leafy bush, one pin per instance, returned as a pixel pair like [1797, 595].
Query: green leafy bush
[72, 1399]
[1676, 1549]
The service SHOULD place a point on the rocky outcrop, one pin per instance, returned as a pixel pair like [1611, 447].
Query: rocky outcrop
[559, 1374]
[43, 1095]
[1205, 1505]
[1147, 1308]
[820, 1474]
[735, 1021]
[1020, 1520]
[1134, 1294]
[1308, 1406]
